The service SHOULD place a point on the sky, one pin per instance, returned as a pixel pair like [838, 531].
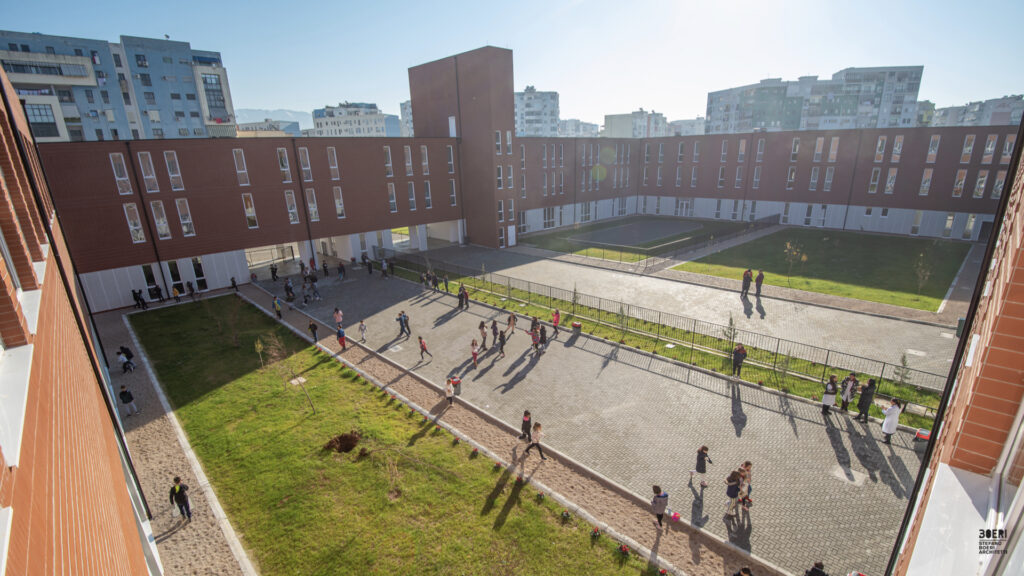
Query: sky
[602, 56]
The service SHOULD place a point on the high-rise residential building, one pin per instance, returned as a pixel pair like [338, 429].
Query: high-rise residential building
[639, 124]
[350, 119]
[692, 127]
[536, 113]
[77, 89]
[407, 130]
[883, 97]
[269, 126]
[574, 128]
[925, 112]
[1005, 111]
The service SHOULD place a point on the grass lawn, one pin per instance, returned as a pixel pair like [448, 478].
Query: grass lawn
[864, 266]
[558, 240]
[415, 504]
[403, 230]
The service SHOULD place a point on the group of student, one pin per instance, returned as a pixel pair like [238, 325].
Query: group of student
[847, 389]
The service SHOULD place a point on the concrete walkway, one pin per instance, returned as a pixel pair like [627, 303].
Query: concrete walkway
[825, 489]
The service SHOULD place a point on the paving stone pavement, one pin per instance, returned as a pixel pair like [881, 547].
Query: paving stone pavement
[822, 491]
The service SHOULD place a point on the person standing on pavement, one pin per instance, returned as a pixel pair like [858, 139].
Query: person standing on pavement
[483, 336]
[747, 277]
[732, 491]
[327, 271]
[757, 283]
[449, 391]
[658, 505]
[341, 338]
[312, 330]
[847, 390]
[543, 337]
[817, 570]
[126, 364]
[401, 324]
[746, 470]
[702, 466]
[892, 420]
[128, 400]
[501, 344]
[474, 350]
[511, 321]
[338, 316]
[535, 438]
[446, 283]
[423, 348]
[341, 271]
[829, 396]
[867, 398]
[494, 333]
[465, 297]
[362, 331]
[535, 335]
[534, 324]
[739, 354]
[526, 427]
[277, 307]
[555, 319]
[179, 496]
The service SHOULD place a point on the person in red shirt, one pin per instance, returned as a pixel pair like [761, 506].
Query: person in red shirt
[555, 319]
[423, 348]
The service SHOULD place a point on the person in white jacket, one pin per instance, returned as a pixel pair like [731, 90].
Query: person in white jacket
[892, 419]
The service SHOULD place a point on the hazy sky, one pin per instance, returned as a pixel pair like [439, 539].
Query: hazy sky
[602, 56]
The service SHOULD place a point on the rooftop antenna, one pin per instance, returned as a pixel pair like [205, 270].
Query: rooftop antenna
[167, 37]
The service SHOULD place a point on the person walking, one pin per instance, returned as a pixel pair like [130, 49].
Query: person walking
[747, 277]
[739, 354]
[369, 265]
[362, 331]
[458, 295]
[746, 470]
[534, 324]
[126, 364]
[446, 283]
[511, 321]
[535, 438]
[338, 316]
[494, 332]
[423, 348]
[555, 319]
[234, 284]
[847, 389]
[179, 496]
[817, 570]
[312, 330]
[449, 391]
[829, 396]
[483, 336]
[341, 271]
[277, 307]
[526, 427]
[327, 271]
[273, 272]
[543, 338]
[732, 491]
[702, 466]
[501, 344]
[535, 336]
[191, 290]
[867, 398]
[892, 420]
[465, 297]
[341, 338]
[474, 349]
[757, 283]
[405, 323]
[128, 401]
[659, 504]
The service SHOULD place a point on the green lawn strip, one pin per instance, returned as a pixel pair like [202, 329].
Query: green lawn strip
[416, 503]
[868, 267]
[403, 230]
[803, 377]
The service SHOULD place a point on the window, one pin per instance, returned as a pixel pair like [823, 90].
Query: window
[511, 210]
[718, 209]
[757, 178]
[890, 181]
[549, 217]
[140, 61]
[647, 152]
[307, 170]
[292, 207]
[813, 184]
[933, 148]
[1011, 139]
[561, 156]
[105, 96]
[741, 155]
[250, 210]
[693, 177]
[760, 150]
[339, 203]
[721, 176]
[897, 149]
[182, 131]
[969, 227]
[679, 177]
[451, 160]
[99, 131]
[627, 176]
[739, 177]
[965, 154]
[696, 152]
[958, 184]
[90, 96]
[725, 150]
[915, 228]
[282, 163]
[124, 186]
[428, 203]
[522, 183]
[880, 149]
[508, 177]
[885, 212]
[148, 173]
[979, 184]
[407, 151]
[561, 182]
[947, 231]
[424, 160]
[807, 215]
[392, 201]
[163, 229]
[157, 133]
[240, 170]
[829, 174]
[508, 142]
[785, 214]
[145, 80]
[314, 210]
[173, 170]
[876, 173]
[819, 147]
[990, 149]
[190, 96]
[753, 211]
[501, 179]
[833, 149]
[501, 210]
[795, 151]
[185, 217]
[175, 96]
[42, 121]
[451, 192]
[680, 154]
[150, 98]
[134, 223]
[790, 177]
[497, 142]
[659, 175]
[926, 182]
[645, 176]
[117, 60]
[389, 172]
[735, 209]
[585, 211]
[997, 186]
[411, 188]
[661, 153]
[868, 211]
[332, 162]
[501, 237]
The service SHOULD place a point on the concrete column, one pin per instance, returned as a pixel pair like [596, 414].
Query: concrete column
[305, 254]
[388, 242]
[462, 231]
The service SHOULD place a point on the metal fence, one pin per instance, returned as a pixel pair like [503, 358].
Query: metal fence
[765, 351]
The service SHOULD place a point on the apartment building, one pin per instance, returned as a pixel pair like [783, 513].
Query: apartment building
[854, 98]
[76, 89]
[353, 120]
[692, 127]
[575, 128]
[268, 127]
[536, 113]
[639, 124]
[1005, 111]
[406, 108]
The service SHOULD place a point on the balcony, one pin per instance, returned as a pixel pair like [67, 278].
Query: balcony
[42, 68]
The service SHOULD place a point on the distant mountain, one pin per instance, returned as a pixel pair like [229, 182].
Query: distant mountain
[244, 115]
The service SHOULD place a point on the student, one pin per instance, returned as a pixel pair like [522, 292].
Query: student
[555, 319]
[534, 324]
[176, 293]
[494, 332]
[535, 336]
[362, 331]
[474, 349]
[159, 293]
[277, 307]
[338, 316]
[341, 271]
[757, 283]
[847, 390]
[702, 466]
[526, 427]
[745, 471]
[658, 505]
[341, 338]
[828, 398]
[747, 277]
[179, 496]
[446, 283]
[234, 284]
[543, 337]
[483, 336]
[501, 344]
[126, 364]
[732, 491]
[739, 354]
[535, 439]
[191, 290]
[817, 570]
[511, 321]
[312, 330]
[273, 272]
[867, 398]
[128, 400]
[892, 420]
[327, 271]
[401, 324]
[423, 348]
[449, 391]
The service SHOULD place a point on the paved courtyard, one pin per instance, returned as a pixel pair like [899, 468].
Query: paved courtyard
[828, 491]
[929, 348]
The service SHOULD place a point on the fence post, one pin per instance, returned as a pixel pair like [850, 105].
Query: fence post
[775, 359]
[657, 338]
[824, 369]
[881, 377]
[529, 293]
[693, 340]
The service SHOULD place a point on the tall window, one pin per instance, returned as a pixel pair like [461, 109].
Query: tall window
[933, 148]
[833, 149]
[897, 149]
[948, 230]
[757, 178]
[561, 182]
[511, 210]
[661, 152]
[424, 160]
[819, 147]
[890, 181]
[522, 183]
[721, 176]
[544, 190]
[876, 174]
[741, 155]
[131, 213]
[291, 206]
[451, 160]
[332, 163]
[544, 156]
[339, 203]
[508, 177]
[501, 210]
[997, 186]
[979, 184]
[813, 184]
[250, 210]
[926, 182]
[965, 154]
[759, 157]
[508, 141]
[696, 152]
[389, 170]
[561, 156]
[240, 169]
[659, 175]
[990, 149]
[725, 150]
[124, 185]
[307, 170]
[148, 173]
[173, 170]
[647, 152]
[185, 217]
[501, 180]
[790, 177]
[428, 202]
[693, 176]
[679, 177]
[829, 174]
[958, 184]
[522, 156]
[795, 150]
[282, 163]
[880, 149]
[163, 229]
[392, 201]
[739, 177]
[451, 192]
[497, 142]
[411, 188]
[407, 150]
[1011, 139]
[969, 227]
[314, 211]
[680, 154]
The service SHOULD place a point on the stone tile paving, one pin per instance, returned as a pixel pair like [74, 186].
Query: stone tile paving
[822, 490]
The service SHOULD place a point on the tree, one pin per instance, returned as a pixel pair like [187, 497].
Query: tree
[284, 363]
[782, 370]
[923, 271]
[794, 252]
[259, 350]
[729, 332]
[901, 373]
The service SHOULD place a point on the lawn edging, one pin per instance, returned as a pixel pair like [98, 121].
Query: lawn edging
[237, 549]
[508, 428]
